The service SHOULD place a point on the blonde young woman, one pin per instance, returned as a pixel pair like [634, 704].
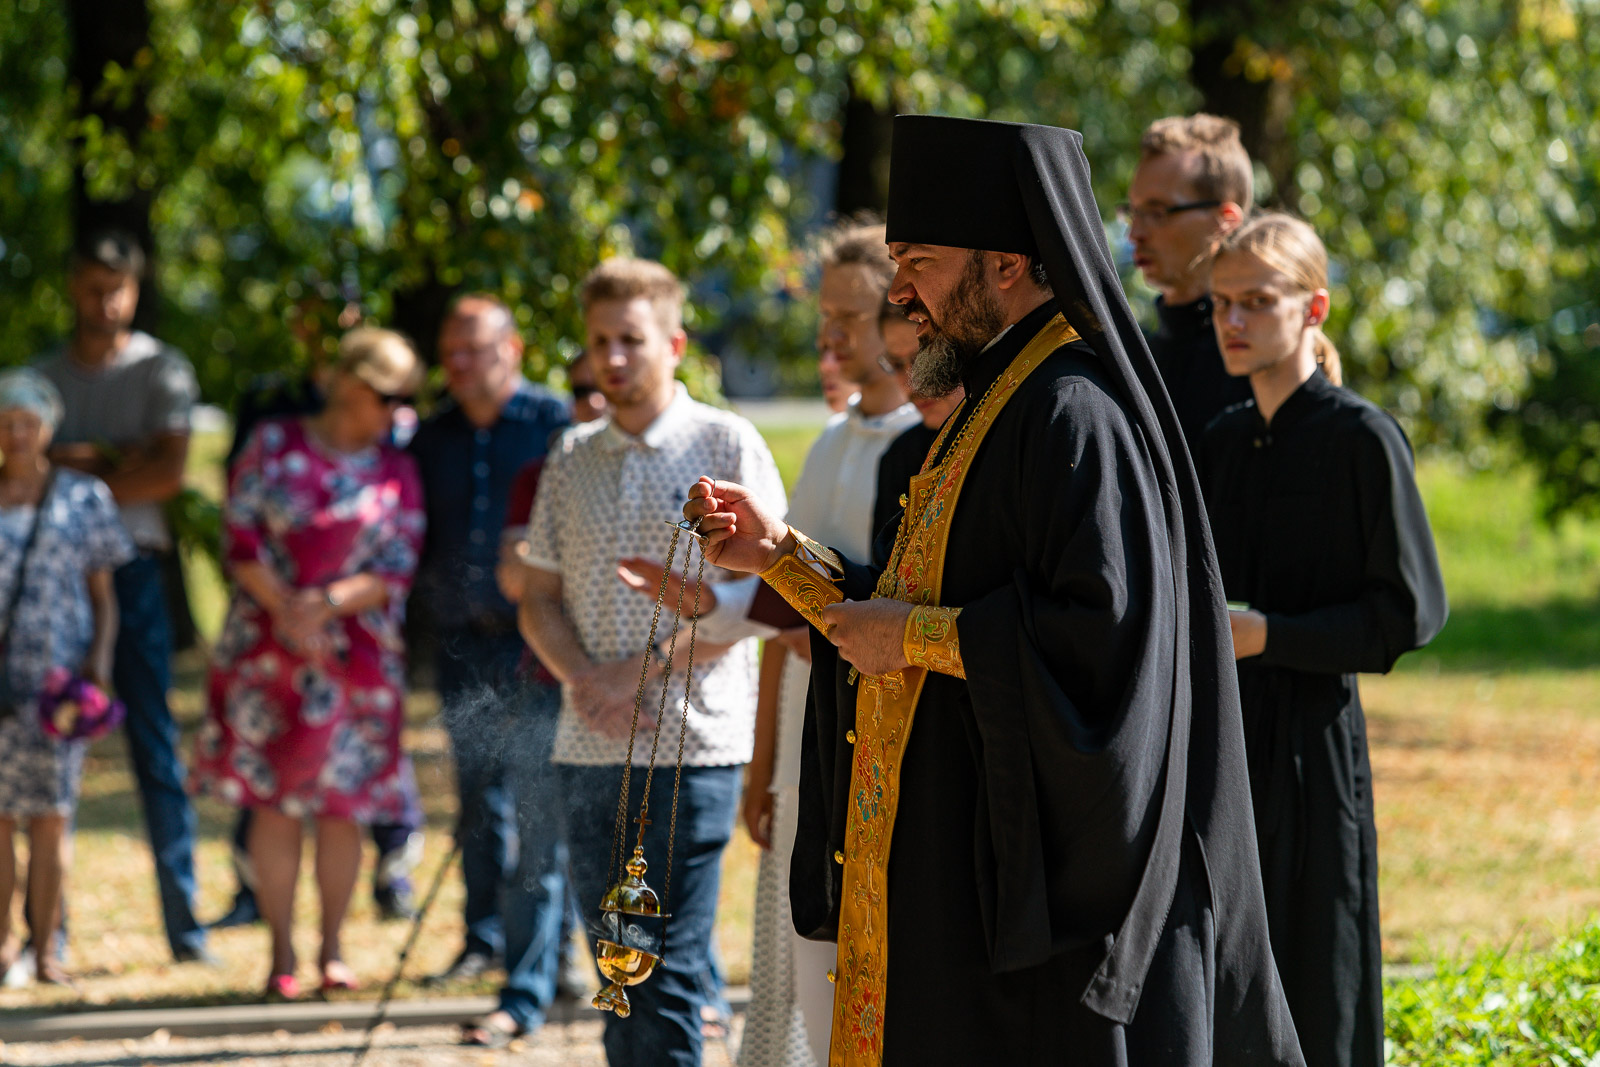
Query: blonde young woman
[1320, 531]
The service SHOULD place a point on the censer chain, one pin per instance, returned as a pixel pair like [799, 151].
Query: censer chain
[683, 727]
[666, 681]
[613, 870]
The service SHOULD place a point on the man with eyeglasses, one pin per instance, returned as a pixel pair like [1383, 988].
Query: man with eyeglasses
[1191, 188]
[468, 453]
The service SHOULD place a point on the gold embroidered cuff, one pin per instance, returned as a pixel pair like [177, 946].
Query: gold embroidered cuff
[799, 583]
[931, 640]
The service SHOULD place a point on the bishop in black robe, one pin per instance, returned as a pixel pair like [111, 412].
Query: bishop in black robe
[1319, 526]
[1073, 876]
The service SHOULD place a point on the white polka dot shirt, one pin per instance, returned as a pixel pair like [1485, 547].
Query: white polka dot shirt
[606, 494]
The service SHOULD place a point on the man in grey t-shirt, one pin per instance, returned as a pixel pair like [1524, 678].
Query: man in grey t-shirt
[127, 400]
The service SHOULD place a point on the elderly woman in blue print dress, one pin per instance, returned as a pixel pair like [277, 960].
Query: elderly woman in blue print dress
[60, 539]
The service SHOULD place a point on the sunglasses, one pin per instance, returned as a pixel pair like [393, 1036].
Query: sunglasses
[394, 400]
[584, 392]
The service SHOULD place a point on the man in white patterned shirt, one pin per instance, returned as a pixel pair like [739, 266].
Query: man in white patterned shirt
[607, 493]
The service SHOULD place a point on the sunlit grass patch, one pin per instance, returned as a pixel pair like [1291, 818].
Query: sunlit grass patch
[1502, 1007]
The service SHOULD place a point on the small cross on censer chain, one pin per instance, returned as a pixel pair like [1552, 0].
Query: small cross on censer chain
[631, 936]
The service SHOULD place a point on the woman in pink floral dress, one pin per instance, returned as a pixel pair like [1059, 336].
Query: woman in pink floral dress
[323, 525]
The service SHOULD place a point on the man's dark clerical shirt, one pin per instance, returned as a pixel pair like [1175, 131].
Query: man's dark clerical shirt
[1186, 353]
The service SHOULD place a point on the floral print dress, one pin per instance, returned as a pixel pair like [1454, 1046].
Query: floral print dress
[305, 736]
[79, 532]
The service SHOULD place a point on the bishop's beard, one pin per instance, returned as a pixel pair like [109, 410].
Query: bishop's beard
[972, 318]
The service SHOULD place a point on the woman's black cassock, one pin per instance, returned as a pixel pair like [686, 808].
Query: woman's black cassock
[1073, 876]
[1319, 526]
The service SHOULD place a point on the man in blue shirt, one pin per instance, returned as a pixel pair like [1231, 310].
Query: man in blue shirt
[469, 452]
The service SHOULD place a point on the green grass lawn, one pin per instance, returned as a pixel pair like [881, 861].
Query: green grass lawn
[1483, 751]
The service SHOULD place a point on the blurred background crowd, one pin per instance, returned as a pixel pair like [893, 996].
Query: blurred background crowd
[345, 244]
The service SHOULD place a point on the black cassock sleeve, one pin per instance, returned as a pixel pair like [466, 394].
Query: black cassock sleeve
[1069, 681]
[1058, 558]
[1401, 605]
[815, 880]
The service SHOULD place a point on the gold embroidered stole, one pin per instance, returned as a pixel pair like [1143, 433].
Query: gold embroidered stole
[884, 710]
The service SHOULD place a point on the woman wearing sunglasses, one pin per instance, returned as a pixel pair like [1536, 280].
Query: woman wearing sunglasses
[322, 529]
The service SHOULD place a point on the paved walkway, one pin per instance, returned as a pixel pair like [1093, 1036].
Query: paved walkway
[574, 1044]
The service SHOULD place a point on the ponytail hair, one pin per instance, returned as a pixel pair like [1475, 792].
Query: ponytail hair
[1327, 357]
[1293, 249]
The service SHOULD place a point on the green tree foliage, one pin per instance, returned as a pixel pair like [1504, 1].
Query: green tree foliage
[1434, 161]
[1558, 424]
[308, 156]
[35, 175]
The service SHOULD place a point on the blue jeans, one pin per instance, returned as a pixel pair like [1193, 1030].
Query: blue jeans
[535, 899]
[142, 673]
[665, 1025]
[477, 675]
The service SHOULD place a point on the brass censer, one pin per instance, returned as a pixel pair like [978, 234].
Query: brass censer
[631, 934]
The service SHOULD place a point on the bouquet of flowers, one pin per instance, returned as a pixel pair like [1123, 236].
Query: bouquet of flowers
[72, 708]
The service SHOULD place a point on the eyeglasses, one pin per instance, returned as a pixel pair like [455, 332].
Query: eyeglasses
[393, 400]
[845, 320]
[584, 392]
[1156, 216]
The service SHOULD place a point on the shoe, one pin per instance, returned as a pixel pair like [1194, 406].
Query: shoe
[495, 1030]
[337, 977]
[395, 904]
[714, 1023]
[243, 913]
[282, 988]
[468, 965]
[21, 972]
[197, 954]
[52, 973]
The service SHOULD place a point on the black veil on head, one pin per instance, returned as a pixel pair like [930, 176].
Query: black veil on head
[1012, 187]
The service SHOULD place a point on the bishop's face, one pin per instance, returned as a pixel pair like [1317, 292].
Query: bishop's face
[953, 297]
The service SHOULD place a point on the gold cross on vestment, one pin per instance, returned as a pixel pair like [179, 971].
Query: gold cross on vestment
[880, 685]
[866, 894]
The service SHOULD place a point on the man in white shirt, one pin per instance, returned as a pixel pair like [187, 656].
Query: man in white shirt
[607, 493]
[791, 1002]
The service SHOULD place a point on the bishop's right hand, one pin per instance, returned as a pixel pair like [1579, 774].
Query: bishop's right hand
[740, 533]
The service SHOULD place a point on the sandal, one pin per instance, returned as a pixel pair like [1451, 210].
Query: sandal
[494, 1031]
[52, 973]
[337, 976]
[714, 1025]
[282, 988]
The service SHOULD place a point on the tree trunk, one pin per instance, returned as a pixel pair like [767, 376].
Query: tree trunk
[103, 32]
[112, 31]
[864, 157]
[1241, 75]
